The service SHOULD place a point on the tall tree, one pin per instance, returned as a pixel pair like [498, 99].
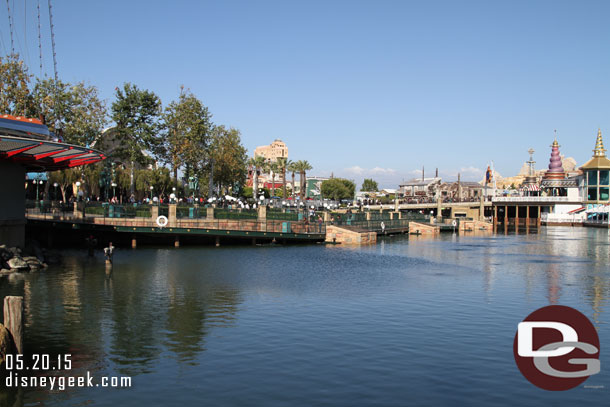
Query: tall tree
[15, 98]
[82, 113]
[368, 185]
[158, 178]
[136, 114]
[188, 129]
[302, 167]
[273, 170]
[256, 163]
[64, 179]
[283, 163]
[229, 156]
[292, 167]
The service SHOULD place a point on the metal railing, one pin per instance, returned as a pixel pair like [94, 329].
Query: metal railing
[534, 199]
[102, 217]
[375, 225]
[253, 225]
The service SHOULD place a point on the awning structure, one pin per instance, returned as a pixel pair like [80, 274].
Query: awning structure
[41, 155]
[531, 187]
[599, 209]
[579, 210]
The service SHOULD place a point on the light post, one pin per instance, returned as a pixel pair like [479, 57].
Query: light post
[55, 184]
[37, 182]
[114, 189]
[151, 191]
[77, 189]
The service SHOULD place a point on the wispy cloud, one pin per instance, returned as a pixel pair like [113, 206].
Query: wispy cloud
[466, 174]
[357, 170]
[385, 177]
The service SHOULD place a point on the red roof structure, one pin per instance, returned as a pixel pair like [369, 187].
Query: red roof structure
[29, 143]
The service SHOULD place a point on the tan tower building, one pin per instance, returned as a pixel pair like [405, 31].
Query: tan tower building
[273, 151]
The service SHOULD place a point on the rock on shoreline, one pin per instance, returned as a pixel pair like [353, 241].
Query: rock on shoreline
[11, 260]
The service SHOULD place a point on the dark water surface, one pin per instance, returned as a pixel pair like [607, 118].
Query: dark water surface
[406, 322]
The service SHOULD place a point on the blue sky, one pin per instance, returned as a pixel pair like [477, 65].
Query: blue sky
[357, 88]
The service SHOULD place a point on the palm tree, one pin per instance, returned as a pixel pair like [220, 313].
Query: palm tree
[256, 163]
[302, 167]
[273, 169]
[293, 169]
[283, 163]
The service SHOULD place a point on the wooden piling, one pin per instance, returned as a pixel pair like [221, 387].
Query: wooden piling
[134, 242]
[13, 319]
[217, 241]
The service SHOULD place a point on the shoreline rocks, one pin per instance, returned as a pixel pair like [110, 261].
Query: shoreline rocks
[11, 260]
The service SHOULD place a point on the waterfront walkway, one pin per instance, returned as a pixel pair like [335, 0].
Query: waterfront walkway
[168, 221]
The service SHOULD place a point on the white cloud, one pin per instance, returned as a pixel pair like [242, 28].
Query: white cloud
[386, 177]
[379, 170]
[466, 174]
[355, 170]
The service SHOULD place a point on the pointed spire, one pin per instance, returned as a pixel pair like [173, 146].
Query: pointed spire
[599, 150]
[555, 143]
[555, 170]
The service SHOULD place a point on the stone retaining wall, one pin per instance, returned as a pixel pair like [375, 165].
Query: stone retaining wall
[423, 228]
[346, 236]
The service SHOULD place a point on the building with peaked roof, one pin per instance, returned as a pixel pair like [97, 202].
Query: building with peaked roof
[597, 174]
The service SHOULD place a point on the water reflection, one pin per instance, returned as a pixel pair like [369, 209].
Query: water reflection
[309, 324]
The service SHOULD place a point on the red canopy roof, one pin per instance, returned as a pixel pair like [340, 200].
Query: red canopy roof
[42, 155]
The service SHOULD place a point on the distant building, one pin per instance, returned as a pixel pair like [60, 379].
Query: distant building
[313, 186]
[387, 191]
[555, 181]
[597, 175]
[461, 190]
[273, 151]
[420, 187]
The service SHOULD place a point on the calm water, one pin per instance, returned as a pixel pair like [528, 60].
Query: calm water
[405, 322]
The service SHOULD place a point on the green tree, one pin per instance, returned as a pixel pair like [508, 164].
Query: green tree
[302, 167]
[293, 169]
[136, 113]
[15, 97]
[368, 185]
[229, 155]
[338, 189]
[64, 179]
[283, 164]
[91, 175]
[273, 170]
[76, 109]
[158, 178]
[187, 125]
